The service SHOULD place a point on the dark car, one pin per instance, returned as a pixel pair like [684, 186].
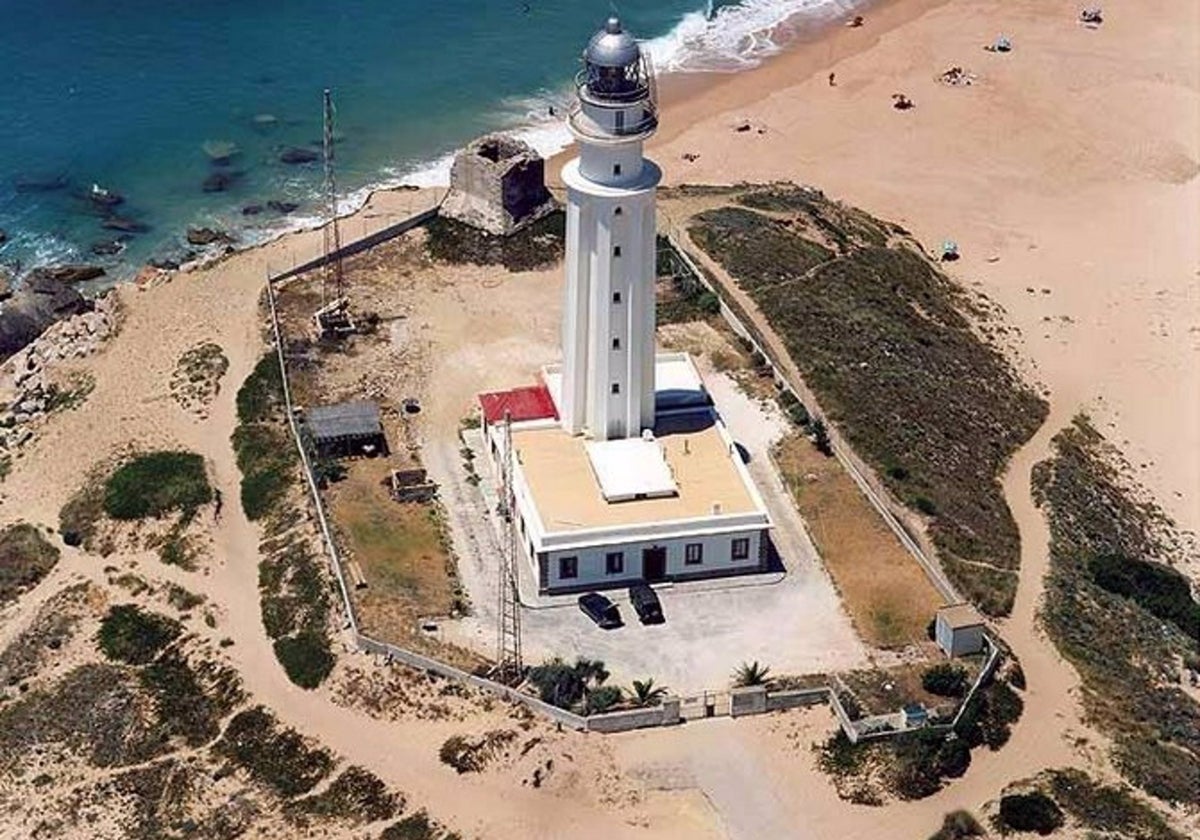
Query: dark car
[600, 610]
[646, 604]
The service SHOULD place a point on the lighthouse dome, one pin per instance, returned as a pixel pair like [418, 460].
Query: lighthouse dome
[612, 46]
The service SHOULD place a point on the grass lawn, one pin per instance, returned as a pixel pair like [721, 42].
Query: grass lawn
[889, 598]
[399, 548]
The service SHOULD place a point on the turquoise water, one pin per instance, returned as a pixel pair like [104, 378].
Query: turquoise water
[125, 95]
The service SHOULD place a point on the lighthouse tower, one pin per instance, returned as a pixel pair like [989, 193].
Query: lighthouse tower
[608, 316]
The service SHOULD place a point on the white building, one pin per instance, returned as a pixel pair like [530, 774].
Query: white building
[622, 468]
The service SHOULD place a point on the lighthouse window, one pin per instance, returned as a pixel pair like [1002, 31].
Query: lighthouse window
[616, 344]
[617, 212]
[616, 250]
[616, 169]
[616, 387]
[616, 297]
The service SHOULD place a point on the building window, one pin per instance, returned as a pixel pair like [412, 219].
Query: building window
[616, 344]
[741, 548]
[616, 387]
[614, 562]
[616, 297]
[617, 211]
[693, 554]
[616, 169]
[616, 250]
[568, 568]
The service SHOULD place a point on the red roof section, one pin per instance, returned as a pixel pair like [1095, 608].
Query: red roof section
[529, 403]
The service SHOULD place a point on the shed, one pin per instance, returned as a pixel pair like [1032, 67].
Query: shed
[959, 630]
[915, 716]
[346, 429]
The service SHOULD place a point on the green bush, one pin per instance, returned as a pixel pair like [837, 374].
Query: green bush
[261, 396]
[945, 680]
[601, 699]
[989, 718]
[357, 795]
[563, 685]
[306, 657]
[416, 826]
[922, 760]
[267, 460]
[280, 759]
[128, 634]
[156, 484]
[1159, 589]
[1030, 812]
[1107, 808]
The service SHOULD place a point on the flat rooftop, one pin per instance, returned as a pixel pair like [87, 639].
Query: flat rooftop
[568, 495]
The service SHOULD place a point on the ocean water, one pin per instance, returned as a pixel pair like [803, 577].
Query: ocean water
[127, 95]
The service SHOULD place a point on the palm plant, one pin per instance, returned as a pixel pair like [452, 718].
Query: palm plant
[646, 693]
[749, 674]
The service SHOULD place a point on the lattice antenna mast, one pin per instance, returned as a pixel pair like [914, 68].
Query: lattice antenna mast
[333, 278]
[508, 636]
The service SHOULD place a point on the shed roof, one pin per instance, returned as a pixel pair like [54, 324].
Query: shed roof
[959, 616]
[349, 419]
[529, 403]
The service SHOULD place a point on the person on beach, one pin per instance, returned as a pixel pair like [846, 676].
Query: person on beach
[832, 83]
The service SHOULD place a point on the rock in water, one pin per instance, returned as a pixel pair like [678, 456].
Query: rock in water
[220, 152]
[252, 209]
[123, 224]
[6, 283]
[298, 154]
[207, 236]
[219, 181]
[69, 273]
[284, 207]
[3, 236]
[108, 248]
[40, 302]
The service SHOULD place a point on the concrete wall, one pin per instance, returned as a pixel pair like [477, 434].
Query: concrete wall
[794, 698]
[625, 720]
[716, 560]
[751, 700]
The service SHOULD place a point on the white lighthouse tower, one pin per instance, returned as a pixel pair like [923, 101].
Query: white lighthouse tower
[608, 317]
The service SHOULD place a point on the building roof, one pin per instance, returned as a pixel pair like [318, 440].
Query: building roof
[701, 459]
[521, 404]
[630, 468]
[960, 616]
[349, 419]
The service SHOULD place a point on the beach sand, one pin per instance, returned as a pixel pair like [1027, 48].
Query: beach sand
[1066, 173]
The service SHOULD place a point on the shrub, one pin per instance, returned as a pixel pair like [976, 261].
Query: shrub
[356, 794]
[25, 558]
[261, 395]
[416, 826]
[281, 760]
[128, 634]
[156, 484]
[1030, 812]
[922, 760]
[601, 699]
[305, 657]
[750, 673]
[989, 718]
[945, 680]
[820, 436]
[563, 685]
[1159, 589]
[645, 693]
[957, 825]
[1107, 808]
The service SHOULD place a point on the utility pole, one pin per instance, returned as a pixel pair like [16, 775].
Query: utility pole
[509, 668]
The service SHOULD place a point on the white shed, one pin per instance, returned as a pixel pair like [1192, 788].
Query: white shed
[959, 630]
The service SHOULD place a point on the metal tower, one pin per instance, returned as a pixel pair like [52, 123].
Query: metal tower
[332, 280]
[509, 668]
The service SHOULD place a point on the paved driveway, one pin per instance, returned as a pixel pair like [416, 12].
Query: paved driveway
[792, 621]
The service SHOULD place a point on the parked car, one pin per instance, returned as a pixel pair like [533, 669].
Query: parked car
[646, 604]
[600, 610]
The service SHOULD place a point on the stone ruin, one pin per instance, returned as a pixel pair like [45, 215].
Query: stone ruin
[498, 184]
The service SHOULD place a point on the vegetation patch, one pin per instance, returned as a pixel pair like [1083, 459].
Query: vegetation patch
[283, 760]
[567, 686]
[131, 635]
[261, 441]
[1125, 644]
[295, 610]
[1033, 812]
[472, 755]
[540, 245]
[80, 518]
[191, 701]
[25, 558]
[417, 826]
[888, 344]
[157, 483]
[356, 795]
[958, 825]
[70, 395]
[196, 380]
[53, 628]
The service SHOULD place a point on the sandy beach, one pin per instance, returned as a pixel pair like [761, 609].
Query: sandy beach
[1066, 172]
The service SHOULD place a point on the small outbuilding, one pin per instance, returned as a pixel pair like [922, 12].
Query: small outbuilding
[346, 430]
[958, 630]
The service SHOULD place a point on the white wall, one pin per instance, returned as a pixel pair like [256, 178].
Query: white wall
[716, 561]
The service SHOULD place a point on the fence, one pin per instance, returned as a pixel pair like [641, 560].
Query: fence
[735, 703]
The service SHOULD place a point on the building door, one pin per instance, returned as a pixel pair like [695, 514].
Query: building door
[654, 563]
